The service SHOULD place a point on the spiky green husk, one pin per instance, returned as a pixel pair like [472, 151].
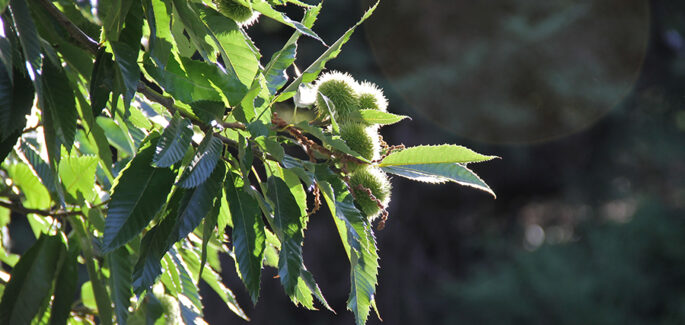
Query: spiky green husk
[371, 97]
[339, 88]
[361, 139]
[231, 9]
[375, 180]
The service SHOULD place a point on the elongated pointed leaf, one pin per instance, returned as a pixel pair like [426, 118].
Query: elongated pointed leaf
[266, 9]
[154, 245]
[374, 116]
[437, 164]
[360, 246]
[138, 193]
[31, 281]
[310, 74]
[59, 114]
[288, 228]
[248, 234]
[213, 279]
[120, 282]
[126, 58]
[7, 145]
[30, 43]
[204, 161]
[184, 213]
[173, 143]
[275, 71]
[16, 99]
[446, 153]
[65, 286]
[233, 42]
[102, 80]
[308, 279]
[188, 285]
[440, 173]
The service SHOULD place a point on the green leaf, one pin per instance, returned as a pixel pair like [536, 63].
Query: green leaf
[248, 234]
[213, 279]
[138, 193]
[420, 155]
[275, 72]
[101, 80]
[59, 114]
[154, 245]
[208, 111]
[374, 116]
[78, 175]
[41, 168]
[204, 161]
[120, 282]
[189, 287]
[194, 28]
[272, 146]
[7, 145]
[133, 25]
[126, 58]
[440, 173]
[115, 16]
[266, 9]
[26, 30]
[88, 296]
[288, 228]
[36, 195]
[184, 213]
[3, 5]
[360, 245]
[115, 135]
[437, 164]
[310, 74]
[233, 43]
[208, 227]
[173, 143]
[308, 279]
[66, 285]
[16, 100]
[31, 281]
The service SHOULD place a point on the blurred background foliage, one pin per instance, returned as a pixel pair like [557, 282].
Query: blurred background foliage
[584, 102]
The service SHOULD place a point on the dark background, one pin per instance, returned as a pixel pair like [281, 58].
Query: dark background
[584, 102]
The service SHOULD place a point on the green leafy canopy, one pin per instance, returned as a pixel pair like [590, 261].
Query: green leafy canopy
[137, 137]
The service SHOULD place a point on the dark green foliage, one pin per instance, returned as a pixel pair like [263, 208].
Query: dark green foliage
[138, 193]
[31, 282]
[158, 139]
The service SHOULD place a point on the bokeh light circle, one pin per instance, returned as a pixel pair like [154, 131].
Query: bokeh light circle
[511, 71]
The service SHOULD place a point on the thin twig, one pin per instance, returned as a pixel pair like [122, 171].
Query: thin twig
[24, 210]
